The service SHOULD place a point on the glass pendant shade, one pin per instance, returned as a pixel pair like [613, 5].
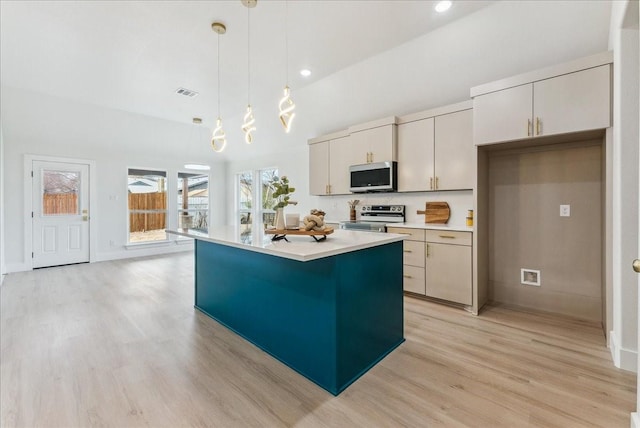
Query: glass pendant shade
[218, 139]
[286, 107]
[248, 125]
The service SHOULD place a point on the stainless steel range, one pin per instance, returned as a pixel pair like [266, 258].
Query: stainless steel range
[374, 217]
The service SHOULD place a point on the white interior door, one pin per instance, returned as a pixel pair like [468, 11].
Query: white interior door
[60, 217]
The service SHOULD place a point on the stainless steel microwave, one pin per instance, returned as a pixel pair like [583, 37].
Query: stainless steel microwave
[374, 177]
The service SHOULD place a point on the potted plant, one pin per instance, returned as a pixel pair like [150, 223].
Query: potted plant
[281, 193]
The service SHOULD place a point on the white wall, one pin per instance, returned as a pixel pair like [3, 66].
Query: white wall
[436, 69]
[624, 42]
[2, 253]
[39, 124]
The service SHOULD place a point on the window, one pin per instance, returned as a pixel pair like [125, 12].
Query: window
[245, 198]
[147, 205]
[193, 200]
[268, 213]
[247, 193]
[60, 192]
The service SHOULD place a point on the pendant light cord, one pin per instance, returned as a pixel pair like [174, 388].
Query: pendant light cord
[286, 41]
[218, 74]
[248, 56]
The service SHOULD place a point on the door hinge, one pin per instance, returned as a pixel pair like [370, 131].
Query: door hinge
[31, 255]
[31, 214]
[31, 174]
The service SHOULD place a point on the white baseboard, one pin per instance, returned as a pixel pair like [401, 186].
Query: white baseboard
[625, 359]
[635, 420]
[17, 267]
[141, 251]
[124, 253]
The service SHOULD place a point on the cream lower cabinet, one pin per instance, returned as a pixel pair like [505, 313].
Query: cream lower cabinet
[437, 264]
[448, 266]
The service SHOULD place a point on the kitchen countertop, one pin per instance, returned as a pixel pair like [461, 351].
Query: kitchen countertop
[453, 228]
[300, 248]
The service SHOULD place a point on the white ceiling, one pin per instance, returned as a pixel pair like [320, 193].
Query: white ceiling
[133, 55]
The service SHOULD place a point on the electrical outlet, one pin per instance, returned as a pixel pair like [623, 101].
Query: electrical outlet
[565, 210]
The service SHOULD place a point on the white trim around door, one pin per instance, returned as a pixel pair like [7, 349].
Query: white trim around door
[28, 203]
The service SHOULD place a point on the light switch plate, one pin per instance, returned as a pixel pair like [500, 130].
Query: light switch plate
[565, 210]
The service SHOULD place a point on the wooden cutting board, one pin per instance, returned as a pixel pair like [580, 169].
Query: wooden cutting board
[436, 212]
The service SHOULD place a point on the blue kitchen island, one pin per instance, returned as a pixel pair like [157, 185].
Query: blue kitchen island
[329, 310]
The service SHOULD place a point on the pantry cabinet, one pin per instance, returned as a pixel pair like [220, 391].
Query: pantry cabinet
[576, 101]
[436, 153]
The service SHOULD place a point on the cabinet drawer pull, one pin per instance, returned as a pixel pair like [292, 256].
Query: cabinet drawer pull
[447, 236]
[408, 251]
[537, 126]
[407, 276]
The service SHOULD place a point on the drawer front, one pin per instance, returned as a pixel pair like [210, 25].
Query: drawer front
[446, 237]
[414, 234]
[413, 253]
[414, 279]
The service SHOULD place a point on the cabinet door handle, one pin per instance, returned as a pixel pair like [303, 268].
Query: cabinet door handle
[437, 185]
[407, 276]
[431, 183]
[528, 127]
[537, 126]
[408, 251]
[447, 236]
[427, 250]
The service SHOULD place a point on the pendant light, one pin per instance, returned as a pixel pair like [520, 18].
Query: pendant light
[286, 105]
[218, 139]
[249, 121]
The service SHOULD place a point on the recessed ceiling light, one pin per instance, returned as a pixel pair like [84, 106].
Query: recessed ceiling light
[197, 167]
[443, 6]
[305, 72]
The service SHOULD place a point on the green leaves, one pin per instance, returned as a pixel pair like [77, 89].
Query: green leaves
[282, 191]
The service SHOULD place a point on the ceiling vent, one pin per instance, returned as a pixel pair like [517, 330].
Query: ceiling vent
[186, 92]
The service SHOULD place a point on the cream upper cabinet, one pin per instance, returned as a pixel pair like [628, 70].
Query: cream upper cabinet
[454, 151]
[576, 101]
[329, 167]
[319, 168]
[341, 156]
[436, 153]
[573, 102]
[374, 144]
[415, 155]
[503, 115]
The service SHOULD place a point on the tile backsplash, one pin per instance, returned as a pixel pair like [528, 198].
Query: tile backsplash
[337, 208]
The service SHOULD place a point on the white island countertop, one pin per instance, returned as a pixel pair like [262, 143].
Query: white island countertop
[300, 247]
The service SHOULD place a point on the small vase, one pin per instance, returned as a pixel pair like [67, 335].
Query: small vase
[279, 222]
[352, 214]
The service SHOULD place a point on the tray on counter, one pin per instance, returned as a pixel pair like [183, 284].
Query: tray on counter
[279, 234]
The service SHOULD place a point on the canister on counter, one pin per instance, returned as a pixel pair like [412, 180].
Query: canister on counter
[470, 218]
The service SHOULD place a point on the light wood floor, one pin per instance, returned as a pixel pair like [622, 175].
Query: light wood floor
[119, 344]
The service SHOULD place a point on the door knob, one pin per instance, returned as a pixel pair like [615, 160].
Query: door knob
[636, 265]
